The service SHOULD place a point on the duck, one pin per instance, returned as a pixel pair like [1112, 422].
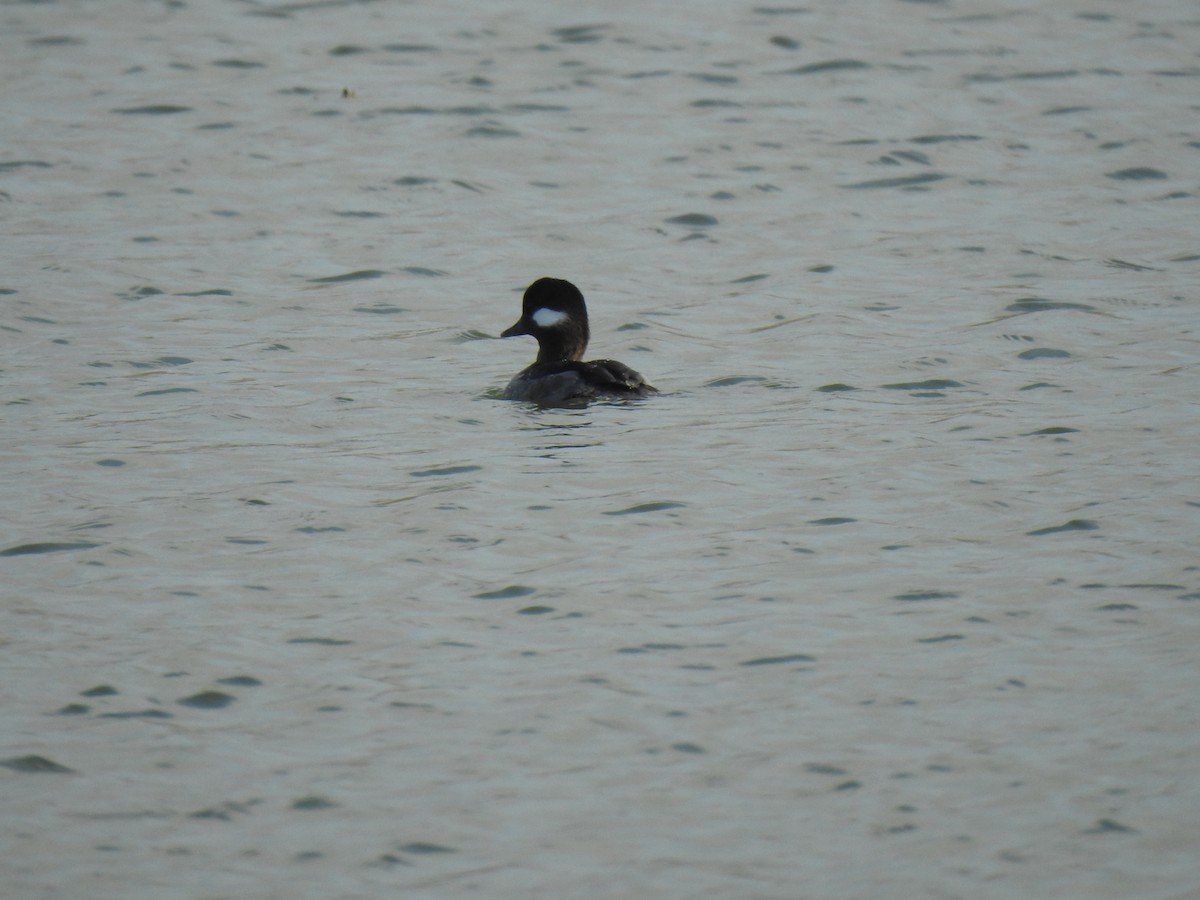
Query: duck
[553, 311]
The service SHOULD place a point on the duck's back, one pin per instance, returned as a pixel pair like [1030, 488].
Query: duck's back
[549, 384]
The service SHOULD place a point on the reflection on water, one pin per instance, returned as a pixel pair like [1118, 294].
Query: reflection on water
[898, 569]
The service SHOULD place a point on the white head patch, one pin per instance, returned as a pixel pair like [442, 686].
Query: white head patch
[548, 318]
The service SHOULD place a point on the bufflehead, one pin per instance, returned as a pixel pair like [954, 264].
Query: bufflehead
[553, 311]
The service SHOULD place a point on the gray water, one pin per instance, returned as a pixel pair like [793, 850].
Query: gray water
[892, 592]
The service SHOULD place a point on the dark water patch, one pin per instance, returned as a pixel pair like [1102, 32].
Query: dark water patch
[226, 811]
[413, 181]
[429, 111]
[779, 660]
[492, 130]
[721, 195]
[314, 529]
[215, 292]
[1109, 826]
[715, 104]
[100, 690]
[746, 279]
[358, 214]
[693, 220]
[787, 43]
[899, 157]
[731, 380]
[310, 803]
[33, 764]
[535, 610]
[410, 48]
[908, 181]
[445, 470]
[537, 108]
[832, 520]
[710, 78]
[1041, 304]
[511, 592]
[424, 272]
[988, 77]
[216, 126]
[1053, 429]
[944, 138]
[781, 10]
[137, 714]
[138, 293]
[932, 384]
[836, 387]
[645, 508]
[14, 164]
[240, 681]
[156, 109]
[161, 391]
[348, 50]
[207, 700]
[161, 361]
[830, 65]
[380, 309]
[424, 848]
[1117, 607]
[298, 91]
[1151, 586]
[56, 40]
[474, 334]
[940, 639]
[324, 642]
[46, 547]
[579, 34]
[687, 747]
[74, 709]
[915, 596]
[238, 64]
[646, 648]
[1043, 353]
[1066, 110]
[824, 769]
[1137, 173]
[360, 275]
[1133, 267]
[1072, 525]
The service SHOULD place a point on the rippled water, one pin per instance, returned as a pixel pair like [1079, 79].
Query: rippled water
[891, 592]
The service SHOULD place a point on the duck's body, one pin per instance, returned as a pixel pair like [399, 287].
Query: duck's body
[553, 312]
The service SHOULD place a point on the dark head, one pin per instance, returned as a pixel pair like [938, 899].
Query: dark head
[553, 312]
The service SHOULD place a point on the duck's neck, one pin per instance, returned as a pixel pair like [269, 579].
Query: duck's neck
[561, 346]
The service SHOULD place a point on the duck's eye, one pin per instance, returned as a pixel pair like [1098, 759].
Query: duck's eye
[548, 318]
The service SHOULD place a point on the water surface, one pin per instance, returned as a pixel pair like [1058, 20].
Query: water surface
[891, 592]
